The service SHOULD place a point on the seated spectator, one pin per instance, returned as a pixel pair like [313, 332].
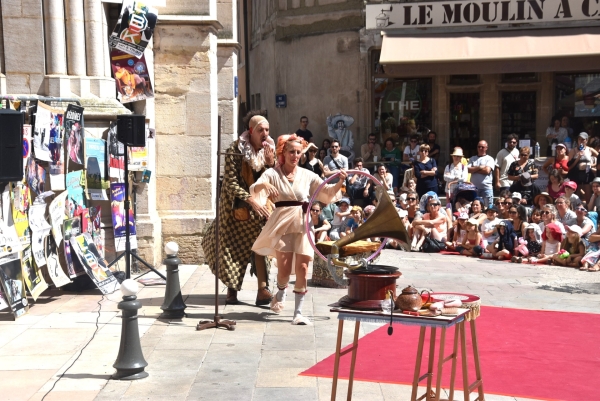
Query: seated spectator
[411, 151]
[310, 161]
[591, 261]
[552, 237]
[328, 211]
[322, 154]
[584, 222]
[368, 211]
[503, 203]
[341, 213]
[559, 162]
[409, 175]
[574, 246]
[410, 185]
[354, 221]
[370, 149]
[386, 180]
[536, 217]
[541, 200]
[458, 232]
[476, 211]
[533, 237]
[594, 205]
[413, 205]
[548, 213]
[504, 245]
[518, 217]
[434, 223]
[471, 244]
[488, 227]
[556, 185]
[564, 212]
[320, 224]
[359, 185]
[570, 188]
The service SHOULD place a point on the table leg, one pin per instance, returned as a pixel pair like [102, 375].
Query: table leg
[465, 369]
[415, 385]
[476, 357]
[336, 366]
[441, 358]
[430, 362]
[353, 363]
[454, 357]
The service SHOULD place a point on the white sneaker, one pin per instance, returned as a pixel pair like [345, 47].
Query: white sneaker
[300, 320]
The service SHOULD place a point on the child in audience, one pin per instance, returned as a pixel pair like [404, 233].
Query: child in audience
[354, 221]
[460, 231]
[536, 217]
[552, 237]
[570, 188]
[488, 227]
[339, 217]
[471, 244]
[504, 245]
[572, 244]
[533, 236]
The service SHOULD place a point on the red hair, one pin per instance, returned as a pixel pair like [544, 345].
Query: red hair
[282, 142]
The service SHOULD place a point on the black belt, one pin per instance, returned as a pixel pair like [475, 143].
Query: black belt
[293, 203]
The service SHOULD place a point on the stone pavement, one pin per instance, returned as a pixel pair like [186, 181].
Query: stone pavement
[262, 358]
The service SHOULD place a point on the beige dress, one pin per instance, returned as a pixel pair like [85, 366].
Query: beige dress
[285, 230]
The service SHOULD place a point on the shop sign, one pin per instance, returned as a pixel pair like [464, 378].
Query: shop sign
[280, 101]
[471, 13]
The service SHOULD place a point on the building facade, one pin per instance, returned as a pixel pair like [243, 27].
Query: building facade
[63, 52]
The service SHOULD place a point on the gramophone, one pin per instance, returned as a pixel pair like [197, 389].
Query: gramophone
[368, 283]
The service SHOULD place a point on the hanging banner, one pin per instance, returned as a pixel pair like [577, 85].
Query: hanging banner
[41, 132]
[95, 169]
[131, 77]
[21, 201]
[57, 215]
[117, 207]
[32, 275]
[9, 240]
[72, 227]
[115, 155]
[55, 270]
[134, 28]
[39, 230]
[94, 265]
[36, 176]
[26, 144]
[11, 279]
[74, 129]
[57, 164]
[75, 198]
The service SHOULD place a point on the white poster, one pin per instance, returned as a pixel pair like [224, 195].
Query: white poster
[41, 133]
[32, 276]
[55, 270]
[39, 230]
[9, 240]
[11, 278]
[57, 215]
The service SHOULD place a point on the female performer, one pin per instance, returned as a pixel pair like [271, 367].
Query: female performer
[284, 235]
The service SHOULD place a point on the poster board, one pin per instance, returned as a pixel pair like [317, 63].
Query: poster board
[11, 279]
[94, 265]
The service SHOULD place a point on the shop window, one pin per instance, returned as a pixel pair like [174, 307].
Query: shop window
[518, 115]
[471, 79]
[578, 102]
[520, 78]
[464, 122]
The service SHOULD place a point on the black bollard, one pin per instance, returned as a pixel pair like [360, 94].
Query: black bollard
[130, 363]
[173, 306]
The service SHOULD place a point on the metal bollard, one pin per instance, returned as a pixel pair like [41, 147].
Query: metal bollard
[130, 363]
[173, 306]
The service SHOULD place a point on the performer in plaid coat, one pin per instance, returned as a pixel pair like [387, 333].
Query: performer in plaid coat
[241, 217]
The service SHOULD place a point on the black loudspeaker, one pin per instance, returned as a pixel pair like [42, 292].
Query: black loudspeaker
[131, 129]
[11, 145]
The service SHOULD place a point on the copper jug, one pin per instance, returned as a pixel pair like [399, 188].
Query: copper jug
[410, 299]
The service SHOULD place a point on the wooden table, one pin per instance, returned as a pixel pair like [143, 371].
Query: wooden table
[431, 323]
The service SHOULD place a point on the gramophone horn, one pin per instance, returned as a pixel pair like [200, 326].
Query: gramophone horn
[384, 222]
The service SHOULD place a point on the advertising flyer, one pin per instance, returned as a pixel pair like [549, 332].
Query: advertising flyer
[57, 215]
[11, 279]
[72, 227]
[21, 200]
[117, 208]
[39, 230]
[3, 304]
[26, 144]
[138, 158]
[95, 169]
[74, 128]
[94, 265]
[36, 176]
[131, 77]
[41, 132]
[134, 28]
[9, 240]
[32, 275]
[115, 155]
[57, 162]
[55, 270]
[75, 198]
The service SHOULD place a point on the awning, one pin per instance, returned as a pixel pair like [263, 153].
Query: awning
[476, 50]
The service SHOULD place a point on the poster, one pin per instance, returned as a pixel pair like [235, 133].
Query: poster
[57, 215]
[55, 270]
[5, 210]
[11, 279]
[117, 209]
[72, 228]
[75, 199]
[32, 276]
[41, 132]
[9, 240]
[138, 158]
[97, 233]
[74, 129]
[131, 77]
[36, 176]
[115, 155]
[26, 144]
[3, 304]
[57, 162]
[134, 28]
[21, 200]
[95, 169]
[39, 230]
[94, 265]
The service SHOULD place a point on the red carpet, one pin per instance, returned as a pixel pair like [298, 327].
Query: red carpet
[523, 353]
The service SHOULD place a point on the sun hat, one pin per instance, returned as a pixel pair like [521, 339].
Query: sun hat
[576, 229]
[463, 216]
[583, 135]
[571, 184]
[345, 200]
[473, 222]
[549, 199]
[457, 152]
[562, 145]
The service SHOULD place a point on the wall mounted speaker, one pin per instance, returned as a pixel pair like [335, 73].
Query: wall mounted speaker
[11, 145]
[131, 130]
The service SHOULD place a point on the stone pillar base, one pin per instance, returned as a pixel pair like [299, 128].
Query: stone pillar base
[58, 85]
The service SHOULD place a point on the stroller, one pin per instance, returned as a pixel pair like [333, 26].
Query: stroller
[464, 190]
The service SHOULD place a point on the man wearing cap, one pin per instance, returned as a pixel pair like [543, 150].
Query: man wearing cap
[504, 159]
[518, 199]
[335, 161]
[480, 167]
[584, 222]
[340, 214]
[241, 217]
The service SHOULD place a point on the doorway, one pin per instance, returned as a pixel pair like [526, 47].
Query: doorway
[464, 122]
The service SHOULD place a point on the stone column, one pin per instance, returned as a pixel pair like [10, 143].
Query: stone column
[2, 76]
[75, 38]
[54, 22]
[441, 114]
[545, 109]
[94, 38]
[489, 111]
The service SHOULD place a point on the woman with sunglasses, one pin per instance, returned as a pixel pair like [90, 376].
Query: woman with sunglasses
[558, 162]
[311, 162]
[549, 213]
[523, 165]
[320, 224]
[425, 170]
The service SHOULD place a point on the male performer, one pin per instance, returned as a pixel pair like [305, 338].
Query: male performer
[241, 217]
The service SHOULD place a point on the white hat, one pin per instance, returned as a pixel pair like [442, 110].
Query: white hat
[516, 195]
[576, 229]
[463, 216]
[457, 152]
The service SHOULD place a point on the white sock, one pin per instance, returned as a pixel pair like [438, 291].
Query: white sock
[281, 294]
[299, 302]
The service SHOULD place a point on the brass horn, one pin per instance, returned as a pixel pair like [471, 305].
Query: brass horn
[384, 222]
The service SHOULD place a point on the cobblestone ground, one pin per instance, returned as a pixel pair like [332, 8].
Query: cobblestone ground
[261, 359]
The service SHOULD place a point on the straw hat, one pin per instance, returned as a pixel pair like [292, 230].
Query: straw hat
[458, 152]
[549, 199]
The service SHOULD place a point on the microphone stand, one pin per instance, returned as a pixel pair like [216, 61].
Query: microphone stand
[218, 320]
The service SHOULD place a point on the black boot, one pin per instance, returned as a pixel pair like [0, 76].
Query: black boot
[231, 297]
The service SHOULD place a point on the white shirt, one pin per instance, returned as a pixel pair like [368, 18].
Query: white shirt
[504, 159]
[488, 225]
[412, 153]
